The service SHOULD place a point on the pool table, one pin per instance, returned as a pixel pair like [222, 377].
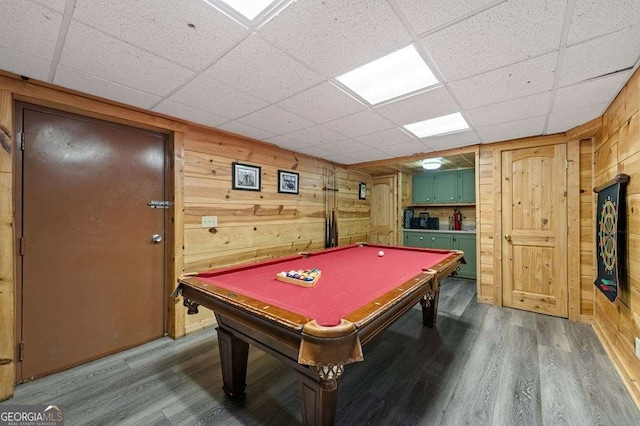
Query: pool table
[320, 329]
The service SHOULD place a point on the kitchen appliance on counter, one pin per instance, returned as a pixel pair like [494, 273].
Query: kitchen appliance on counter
[408, 216]
[423, 221]
[433, 223]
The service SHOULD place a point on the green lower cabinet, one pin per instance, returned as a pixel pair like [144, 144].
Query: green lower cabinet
[447, 241]
[466, 243]
[415, 239]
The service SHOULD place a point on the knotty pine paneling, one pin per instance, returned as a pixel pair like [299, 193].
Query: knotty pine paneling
[618, 323]
[587, 232]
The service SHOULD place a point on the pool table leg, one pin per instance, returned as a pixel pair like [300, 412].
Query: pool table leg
[319, 399]
[234, 354]
[429, 303]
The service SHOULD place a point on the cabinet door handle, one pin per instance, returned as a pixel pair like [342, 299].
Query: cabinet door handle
[452, 198]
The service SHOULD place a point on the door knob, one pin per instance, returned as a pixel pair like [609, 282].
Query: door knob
[157, 238]
[507, 237]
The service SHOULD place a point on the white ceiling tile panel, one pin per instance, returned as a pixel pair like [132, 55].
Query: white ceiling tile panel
[322, 103]
[349, 146]
[257, 67]
[601, 90]
[57, 5]
[601, 56]
[161, 27]
[514, 129]
[511, 82]
[385, 138]
[218, 98]
[453, 140]
[358, 124]
[319, 151]
[515, 109]
[106, 89]
[29, 28]
[406, 148]
[246, 130]
[176, 109]
[95, 53]
[21, 63]
[567, 120]
[510, 32]
[286, 142]
[430, 104]
[370, 154]
[332, 36]
[275, 120]
[593, 18]
[315, 135]
[427, 15]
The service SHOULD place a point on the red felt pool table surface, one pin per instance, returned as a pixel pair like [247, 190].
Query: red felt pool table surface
[351, 276]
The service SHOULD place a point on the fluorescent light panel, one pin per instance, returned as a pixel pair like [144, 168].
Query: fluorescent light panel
[438, 126]
[401, 72]
[248, 8]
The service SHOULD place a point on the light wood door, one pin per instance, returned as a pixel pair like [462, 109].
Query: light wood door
[92, 276]
[384, 210]
[534, 227]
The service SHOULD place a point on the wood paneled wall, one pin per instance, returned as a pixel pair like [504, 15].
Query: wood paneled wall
[617, 150]
[259, 225]
[252, 225]
[587, 231]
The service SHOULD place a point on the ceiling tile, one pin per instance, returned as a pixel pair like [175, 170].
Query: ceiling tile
[106, 89]
[286, 142]
[511, 82]
[567, 120]
[161, 27]
[332, 36]
[384, 138]
[510, 32]
[601, 56]
[322, 103]
[57, 5]
[23, 64]
[423, 106]
[370, 154]
[515, 109]
[218, 98]
[29, 28]
[345, 146]
[257, 67]
[427, 15]
[275, 120]
[513, 129]
[315, 135]
[246, 130]
[601, 90]
[358, 124]
[405, 148]
[176, 109]
[453, 140]
[593, 18]
[100, 55]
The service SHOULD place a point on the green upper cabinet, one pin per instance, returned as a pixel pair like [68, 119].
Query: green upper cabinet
[445, 188]
[422, 188]
[448, 187]
[467, 186]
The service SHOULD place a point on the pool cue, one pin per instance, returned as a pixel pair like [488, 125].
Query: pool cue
[327, 224]
[334, 218]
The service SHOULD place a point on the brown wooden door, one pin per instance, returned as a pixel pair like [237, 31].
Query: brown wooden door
[534, 226]
[384, 214]
[92, 279]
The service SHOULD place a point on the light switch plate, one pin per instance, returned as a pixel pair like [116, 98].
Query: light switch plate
[209, 221]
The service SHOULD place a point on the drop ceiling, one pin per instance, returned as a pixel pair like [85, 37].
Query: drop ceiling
[513, 68]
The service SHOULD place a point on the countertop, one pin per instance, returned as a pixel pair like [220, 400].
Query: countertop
[450, 231]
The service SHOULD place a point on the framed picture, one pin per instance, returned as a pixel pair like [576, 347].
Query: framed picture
[246, 177]
[362, 193]
[288, 182]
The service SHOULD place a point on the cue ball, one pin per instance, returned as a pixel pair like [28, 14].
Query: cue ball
[380, 253]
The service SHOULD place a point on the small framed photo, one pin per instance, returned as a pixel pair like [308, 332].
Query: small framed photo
[362, 193]
[288, 182]
[246, 177]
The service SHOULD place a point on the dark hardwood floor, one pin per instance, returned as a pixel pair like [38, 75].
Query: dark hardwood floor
[482, 365]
